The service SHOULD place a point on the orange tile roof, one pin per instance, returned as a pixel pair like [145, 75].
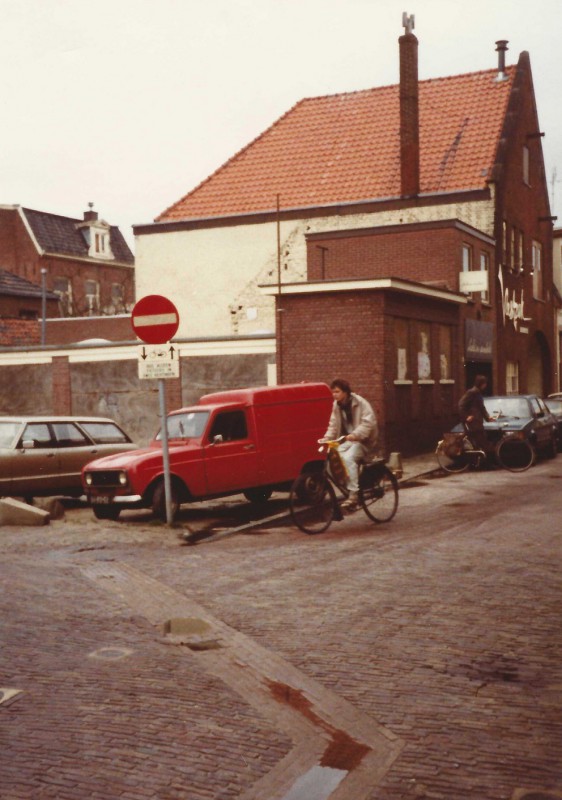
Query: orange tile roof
[346, 147]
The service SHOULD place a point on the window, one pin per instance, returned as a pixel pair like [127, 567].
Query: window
[512, 253]
[504, 242]
[537, 270]
[231, 425]
[424, 357]
[401, 333]
[520, 264]
[186, 426]
[466, 258]
[92, 293]
[68, 435]
[105, 432]
[117, 297]
[445, 350]
[63, 288]
[526, 162]
[38, 433]
[485, 267]
[512, 377]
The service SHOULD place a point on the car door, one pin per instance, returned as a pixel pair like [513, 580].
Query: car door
[36, 462]
[231, 457]
[75, 450]
[541, 427]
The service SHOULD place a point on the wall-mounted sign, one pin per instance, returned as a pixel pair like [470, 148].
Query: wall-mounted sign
[479, 338]
[512, 308]
[473, 281]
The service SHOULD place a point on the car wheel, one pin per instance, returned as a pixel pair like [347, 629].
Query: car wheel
[159, 501]
[106, 512]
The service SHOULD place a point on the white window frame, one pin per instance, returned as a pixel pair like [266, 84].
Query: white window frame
[512, 377]
[537, 270]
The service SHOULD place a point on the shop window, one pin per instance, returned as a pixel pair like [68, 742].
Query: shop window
[424, 354]
[445, 353]
[512, 377]
[485, 267]
[401, 335]
[537, 270]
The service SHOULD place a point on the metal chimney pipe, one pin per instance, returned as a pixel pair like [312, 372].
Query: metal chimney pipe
[501, 49]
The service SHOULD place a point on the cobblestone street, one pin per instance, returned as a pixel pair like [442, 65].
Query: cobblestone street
[418, 659]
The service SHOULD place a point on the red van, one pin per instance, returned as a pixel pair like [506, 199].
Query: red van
[252, 441]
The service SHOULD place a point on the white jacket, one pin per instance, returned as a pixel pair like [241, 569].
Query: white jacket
[363, 420]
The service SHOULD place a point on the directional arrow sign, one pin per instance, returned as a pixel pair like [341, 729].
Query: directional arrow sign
[158, 361]
[155, 319]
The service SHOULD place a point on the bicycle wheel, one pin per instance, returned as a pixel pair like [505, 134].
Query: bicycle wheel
[451, 463]
[312, 502]
[514, 454]
[378, 494]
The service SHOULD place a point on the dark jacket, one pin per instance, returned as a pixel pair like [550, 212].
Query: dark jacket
[472, 405]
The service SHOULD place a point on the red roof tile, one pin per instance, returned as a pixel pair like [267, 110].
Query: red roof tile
[345, 148]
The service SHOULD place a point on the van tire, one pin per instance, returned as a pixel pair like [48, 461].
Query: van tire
[159, 501]
[258, 496]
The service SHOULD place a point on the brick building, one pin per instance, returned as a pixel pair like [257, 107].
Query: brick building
[87, 262]
[400, 237]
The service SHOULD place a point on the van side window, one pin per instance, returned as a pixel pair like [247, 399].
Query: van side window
[231, 425]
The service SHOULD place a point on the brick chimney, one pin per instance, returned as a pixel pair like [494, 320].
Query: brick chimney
[409, 111]
[90, 215]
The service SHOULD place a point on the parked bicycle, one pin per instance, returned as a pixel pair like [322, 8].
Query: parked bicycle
[316, 494]
[456, 452]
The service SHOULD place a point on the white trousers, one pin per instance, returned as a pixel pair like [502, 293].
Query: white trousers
[353, 453]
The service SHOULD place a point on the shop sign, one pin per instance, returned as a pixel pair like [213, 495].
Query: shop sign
[512, 308]
[479, 337]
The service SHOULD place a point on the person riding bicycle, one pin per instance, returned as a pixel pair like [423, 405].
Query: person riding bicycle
[353, 417]
[473, 413]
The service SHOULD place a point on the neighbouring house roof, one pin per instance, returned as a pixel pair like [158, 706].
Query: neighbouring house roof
[60, 236]
[15, 286]
[345, 148]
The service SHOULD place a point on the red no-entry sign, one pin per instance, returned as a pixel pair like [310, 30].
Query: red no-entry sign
[155, 319]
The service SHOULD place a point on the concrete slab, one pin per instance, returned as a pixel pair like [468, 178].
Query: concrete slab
[14, 512]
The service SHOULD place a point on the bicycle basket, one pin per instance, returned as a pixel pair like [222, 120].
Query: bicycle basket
[453, 444]
[371, 474]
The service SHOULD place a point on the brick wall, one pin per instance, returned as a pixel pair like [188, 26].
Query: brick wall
[19, 332]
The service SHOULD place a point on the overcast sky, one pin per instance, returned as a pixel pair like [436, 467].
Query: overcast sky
[131, 103]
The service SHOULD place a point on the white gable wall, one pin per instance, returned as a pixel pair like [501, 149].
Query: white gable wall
[212, 274]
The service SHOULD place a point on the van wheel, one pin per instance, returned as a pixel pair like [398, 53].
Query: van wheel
[106, 512]
[159, 501]
[258, 496]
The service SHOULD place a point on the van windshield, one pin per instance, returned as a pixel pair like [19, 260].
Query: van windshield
[188, 425]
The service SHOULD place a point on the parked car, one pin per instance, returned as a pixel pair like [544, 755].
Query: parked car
[526, 414]
[43, 456]
[554, 405]
[250, 441]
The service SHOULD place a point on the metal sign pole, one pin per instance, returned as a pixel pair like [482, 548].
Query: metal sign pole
[165, 451]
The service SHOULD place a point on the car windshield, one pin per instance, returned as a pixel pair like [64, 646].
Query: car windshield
[8, 431]
[188, 425]
[507, 407]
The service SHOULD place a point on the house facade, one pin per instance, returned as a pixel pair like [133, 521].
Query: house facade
[86, 262]
[400, 237]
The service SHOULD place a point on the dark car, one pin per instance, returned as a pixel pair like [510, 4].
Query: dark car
[554, 404]
[525, 414]
[44, 456]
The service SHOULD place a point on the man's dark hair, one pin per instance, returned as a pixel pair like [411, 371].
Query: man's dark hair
[339, 383]
[480, 381]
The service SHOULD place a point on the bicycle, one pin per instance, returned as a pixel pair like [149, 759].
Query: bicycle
[313, 500]
[456, 452]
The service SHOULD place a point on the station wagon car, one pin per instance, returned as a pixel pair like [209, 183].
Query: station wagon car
[42, 456]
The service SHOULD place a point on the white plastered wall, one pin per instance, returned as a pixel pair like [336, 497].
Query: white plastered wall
[212, 274]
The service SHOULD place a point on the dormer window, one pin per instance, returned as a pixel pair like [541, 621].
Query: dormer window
[96, 233]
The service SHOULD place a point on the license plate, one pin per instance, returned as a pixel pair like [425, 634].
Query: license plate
[100, 500]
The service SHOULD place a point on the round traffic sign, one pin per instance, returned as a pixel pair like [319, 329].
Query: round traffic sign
[155, 319]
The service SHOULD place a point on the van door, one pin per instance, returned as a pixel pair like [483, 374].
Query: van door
[231, 454]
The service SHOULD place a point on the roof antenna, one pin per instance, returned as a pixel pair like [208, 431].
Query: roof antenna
[408, 22]
[501, 49]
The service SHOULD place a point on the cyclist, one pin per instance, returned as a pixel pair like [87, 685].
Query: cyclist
[352, 417]
[473, 413]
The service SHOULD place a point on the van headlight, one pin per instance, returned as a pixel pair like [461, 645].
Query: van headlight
[88, 479]
[123, 478]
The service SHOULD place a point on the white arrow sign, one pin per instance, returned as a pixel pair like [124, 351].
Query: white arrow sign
[157, 361]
